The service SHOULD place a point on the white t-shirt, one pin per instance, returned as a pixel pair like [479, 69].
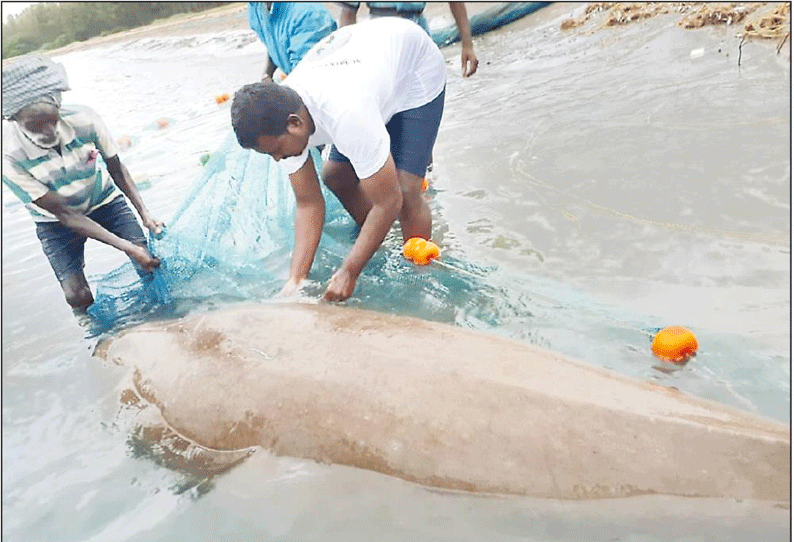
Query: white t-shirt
[75, 174]
[356, 79]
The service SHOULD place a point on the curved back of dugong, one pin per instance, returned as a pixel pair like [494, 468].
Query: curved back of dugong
[443, 406]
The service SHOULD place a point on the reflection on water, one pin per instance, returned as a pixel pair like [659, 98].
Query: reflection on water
[589, 188]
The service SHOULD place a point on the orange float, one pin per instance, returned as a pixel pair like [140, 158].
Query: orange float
[411, 246]
[674, 344]
[221, 98]
[425, 184]
[420, 251]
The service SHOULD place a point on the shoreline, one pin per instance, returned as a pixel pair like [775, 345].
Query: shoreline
[232, 17]
[693, 15]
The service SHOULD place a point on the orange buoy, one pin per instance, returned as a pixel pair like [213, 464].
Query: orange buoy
[411, 246]
[425, 184]
[420, 251]
[221, 98]
[674, 344]
[429, 251]
[162, 123]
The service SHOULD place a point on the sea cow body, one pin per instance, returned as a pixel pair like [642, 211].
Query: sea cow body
[442, 406]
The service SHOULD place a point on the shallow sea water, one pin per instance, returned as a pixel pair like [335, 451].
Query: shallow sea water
[610, 182]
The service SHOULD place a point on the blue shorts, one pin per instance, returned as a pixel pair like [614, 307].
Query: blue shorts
[413, 134]
[65, 248]
[416, 17]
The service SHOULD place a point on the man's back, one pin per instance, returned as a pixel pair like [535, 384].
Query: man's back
[389, 60]
[355, 80]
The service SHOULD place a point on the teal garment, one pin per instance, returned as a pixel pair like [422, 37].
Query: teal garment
[412, 7]
[407, 10]
[289, 29]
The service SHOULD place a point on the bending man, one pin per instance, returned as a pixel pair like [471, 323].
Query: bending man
[50, 161]
[374, 90]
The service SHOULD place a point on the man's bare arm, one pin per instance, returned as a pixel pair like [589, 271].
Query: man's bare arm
[83, 225]
[383, 190]
[468, 59]
[121, 176]
[309, 219]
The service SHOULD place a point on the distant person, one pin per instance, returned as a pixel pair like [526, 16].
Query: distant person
[413, 11]
[288, 30]
[50, 162]
[376, 91]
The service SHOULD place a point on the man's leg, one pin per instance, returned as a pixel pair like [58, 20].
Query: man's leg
[340, 177]
[64, 249]
[117, 217]
[77, 292]
[413, 135]
[415, 217]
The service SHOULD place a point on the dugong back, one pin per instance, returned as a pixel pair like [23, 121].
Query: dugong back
[443, 406]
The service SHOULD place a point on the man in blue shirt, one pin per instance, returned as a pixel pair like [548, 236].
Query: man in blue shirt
[288, 30]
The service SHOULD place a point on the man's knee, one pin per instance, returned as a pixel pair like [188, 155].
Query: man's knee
[339, 176]
[78, 293]
[411, 187]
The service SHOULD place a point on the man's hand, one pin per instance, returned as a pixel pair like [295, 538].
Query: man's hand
[142, 257]
[270, 69]
[341, 286]
[291, 287]
[468, 61]
[153, 225]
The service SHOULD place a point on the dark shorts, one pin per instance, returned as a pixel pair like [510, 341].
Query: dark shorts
[413, 134]
[416, 17]
[65, 248]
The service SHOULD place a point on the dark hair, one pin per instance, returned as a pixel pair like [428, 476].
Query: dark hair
[262, 109]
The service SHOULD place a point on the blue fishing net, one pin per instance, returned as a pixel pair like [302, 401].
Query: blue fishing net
[494, 17]
[231, 239]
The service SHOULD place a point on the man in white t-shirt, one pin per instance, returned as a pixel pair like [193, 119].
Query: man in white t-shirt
[375, 91]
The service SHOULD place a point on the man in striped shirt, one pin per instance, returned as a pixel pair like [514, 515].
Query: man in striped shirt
[50, 162]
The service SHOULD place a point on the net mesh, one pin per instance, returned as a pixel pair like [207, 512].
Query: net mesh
[231, 239]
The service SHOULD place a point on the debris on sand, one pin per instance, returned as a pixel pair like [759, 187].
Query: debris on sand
[770, 23]
[621, 13]
[716, 14]
[760, 19]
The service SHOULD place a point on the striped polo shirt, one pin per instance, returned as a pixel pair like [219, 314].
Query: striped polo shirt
[30, 172]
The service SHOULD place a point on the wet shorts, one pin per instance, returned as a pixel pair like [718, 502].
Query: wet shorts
[65, 248]
[415, 16]
[413, 134]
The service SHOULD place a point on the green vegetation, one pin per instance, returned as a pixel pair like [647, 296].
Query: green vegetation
[50, 25]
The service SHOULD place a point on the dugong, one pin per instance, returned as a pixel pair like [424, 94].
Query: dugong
[441, 406]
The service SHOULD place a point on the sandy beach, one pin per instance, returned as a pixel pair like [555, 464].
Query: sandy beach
[761, 20]
[222, 19]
